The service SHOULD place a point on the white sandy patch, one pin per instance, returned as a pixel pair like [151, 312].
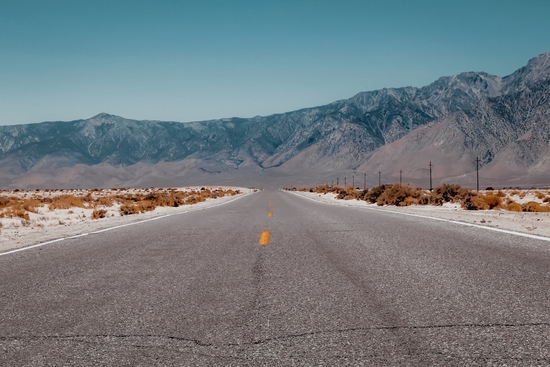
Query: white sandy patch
[531, 223]
[48, 224]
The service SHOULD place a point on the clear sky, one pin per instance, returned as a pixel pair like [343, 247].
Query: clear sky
[206, 59]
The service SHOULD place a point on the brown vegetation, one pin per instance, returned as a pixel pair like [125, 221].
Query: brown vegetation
[404, 195]
[533, 206]
[96, 214]
[139, 201]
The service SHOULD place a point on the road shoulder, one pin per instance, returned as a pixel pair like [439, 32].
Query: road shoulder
[536, 224]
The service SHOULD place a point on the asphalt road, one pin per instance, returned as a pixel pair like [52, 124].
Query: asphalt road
[333, 286]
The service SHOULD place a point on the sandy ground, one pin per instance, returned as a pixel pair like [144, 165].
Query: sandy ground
[48, 225]
[532, 223]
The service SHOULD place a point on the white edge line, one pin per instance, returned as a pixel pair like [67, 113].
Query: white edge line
[29, 247]
[132, 224]
[122, 225]
[507, 231]
[78, 235]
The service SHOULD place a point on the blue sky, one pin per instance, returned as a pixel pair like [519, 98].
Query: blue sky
[198, 60]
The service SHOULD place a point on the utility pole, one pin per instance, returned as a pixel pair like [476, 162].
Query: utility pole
[379, 178]
[365, 181]
[400, 177]
[337, 179]
[477, 173]
[345, 182]
[431, 165]
[353, 181]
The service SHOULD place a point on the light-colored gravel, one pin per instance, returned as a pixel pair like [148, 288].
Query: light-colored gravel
[48, 225]
[532, 223]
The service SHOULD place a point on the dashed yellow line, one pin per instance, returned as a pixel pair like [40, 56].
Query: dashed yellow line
[270, 214]
[264, 238]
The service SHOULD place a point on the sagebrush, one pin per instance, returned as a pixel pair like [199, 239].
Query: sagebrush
[404, 195]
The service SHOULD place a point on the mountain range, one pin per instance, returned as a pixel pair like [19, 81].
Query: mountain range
[503, 121]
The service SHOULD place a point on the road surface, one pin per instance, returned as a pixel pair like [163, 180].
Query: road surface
[327, 286]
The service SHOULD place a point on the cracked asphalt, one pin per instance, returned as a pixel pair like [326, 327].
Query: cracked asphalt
[334, 286]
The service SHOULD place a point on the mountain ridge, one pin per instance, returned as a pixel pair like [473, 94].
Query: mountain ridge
[339, 136]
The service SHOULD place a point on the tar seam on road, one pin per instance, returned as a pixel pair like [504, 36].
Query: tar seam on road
[542, 238]
[280, 337]
[115, 227]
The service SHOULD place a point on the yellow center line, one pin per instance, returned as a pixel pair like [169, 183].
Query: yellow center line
[269, 214]
[264, 238]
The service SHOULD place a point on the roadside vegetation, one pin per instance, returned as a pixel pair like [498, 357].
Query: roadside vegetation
[19, 204]
[405, 195]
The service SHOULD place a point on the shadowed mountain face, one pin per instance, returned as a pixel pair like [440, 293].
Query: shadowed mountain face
[487, 115]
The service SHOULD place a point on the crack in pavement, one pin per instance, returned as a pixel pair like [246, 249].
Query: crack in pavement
[176, 349]
[267, 340]
[116, 336]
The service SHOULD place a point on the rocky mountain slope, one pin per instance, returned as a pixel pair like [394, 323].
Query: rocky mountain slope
[313, 142]
[510, 135]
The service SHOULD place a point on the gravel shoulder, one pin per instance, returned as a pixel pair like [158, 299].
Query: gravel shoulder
[48, 225]
[531, 223]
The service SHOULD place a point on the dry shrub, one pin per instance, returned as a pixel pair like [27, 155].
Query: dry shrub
[323, 189]
[139, 203]
[15, 212]
[474, 202]
[66, 202]
[97, 214]
[398, 194]
[347, 193]
[145, 206]
[194, 198]
[145, 200]
[6, 201]
[128, 208]
[533, 206]
[406, 195]
[373, 194]
[104, 201]
[492, 200]
[514, 207]
[30, 205]
[539, 195]
[448, 193]
[479, 201]
[410, 201]
[88, 198]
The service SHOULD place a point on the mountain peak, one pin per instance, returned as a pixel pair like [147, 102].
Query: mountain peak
[540, 59]
[536, 70]
[539, 67]
[102, 115]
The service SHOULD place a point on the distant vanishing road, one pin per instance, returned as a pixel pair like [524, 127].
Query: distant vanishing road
[330, 285]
